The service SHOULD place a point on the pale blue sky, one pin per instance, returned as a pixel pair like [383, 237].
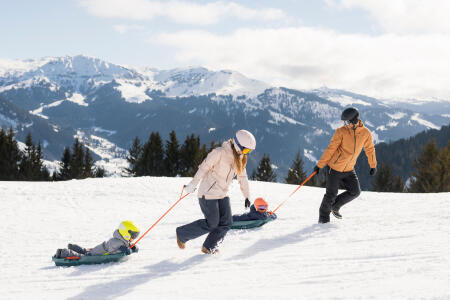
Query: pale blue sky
[31, 29]
[382, 48]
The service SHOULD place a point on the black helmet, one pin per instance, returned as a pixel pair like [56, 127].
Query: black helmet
[350, 114]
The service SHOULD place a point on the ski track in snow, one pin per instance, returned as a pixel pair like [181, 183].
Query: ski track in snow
[388, 246]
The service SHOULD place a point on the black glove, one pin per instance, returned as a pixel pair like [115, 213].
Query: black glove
[247, 203]
[124, 249]
[316, 169]
[372, 171]
[135, 249]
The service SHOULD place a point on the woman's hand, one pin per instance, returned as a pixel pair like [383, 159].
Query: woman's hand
[190, 188]
[247, 203]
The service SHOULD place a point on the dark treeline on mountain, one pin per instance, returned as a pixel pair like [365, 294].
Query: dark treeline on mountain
[20, 165]
[400, 155]
[77, 164]
[27, 165]
[153, 158]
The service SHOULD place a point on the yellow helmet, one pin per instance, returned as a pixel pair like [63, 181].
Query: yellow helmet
[128, 230]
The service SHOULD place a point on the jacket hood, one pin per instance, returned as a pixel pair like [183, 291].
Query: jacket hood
[117, 235]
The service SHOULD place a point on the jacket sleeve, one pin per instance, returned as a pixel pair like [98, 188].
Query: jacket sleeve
[243, 183]
[208, 163]
[335, 142]
[369, 149]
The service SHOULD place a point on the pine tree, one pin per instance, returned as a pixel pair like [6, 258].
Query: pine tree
[152, 159]
[25, 167]
[172, 157]
[296, 175]
[443, 169]
[425, 178]
[133, 158]
[88, 165]
[190, 155]
[386, 181]
[99, 172]
[77, 160]
[264, 171]
[66, 170]
[10, 156]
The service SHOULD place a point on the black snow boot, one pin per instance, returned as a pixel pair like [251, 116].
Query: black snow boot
[324, 219]
[58, 253]
[77, 249]
[336, 214]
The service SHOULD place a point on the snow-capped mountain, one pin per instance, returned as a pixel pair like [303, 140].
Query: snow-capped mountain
[108, 105]
[201, 81]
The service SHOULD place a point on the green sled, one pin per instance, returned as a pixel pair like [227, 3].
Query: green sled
[87, 260]
[249, 224]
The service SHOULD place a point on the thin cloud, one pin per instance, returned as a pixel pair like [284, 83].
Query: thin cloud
[387, 66]
[404, 16]
[124, 28]
[178, 11]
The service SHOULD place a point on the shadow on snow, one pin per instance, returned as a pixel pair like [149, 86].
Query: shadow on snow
[119, 287]
[313, 231]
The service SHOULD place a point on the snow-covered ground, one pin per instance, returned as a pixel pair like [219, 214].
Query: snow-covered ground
[388, 246]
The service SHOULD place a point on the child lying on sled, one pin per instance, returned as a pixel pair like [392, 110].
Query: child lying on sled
[120, 243]
[258, 211]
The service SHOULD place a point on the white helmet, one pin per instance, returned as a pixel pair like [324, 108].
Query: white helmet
[244, 139]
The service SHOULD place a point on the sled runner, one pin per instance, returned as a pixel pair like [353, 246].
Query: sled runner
[87, 260]
[249, 224]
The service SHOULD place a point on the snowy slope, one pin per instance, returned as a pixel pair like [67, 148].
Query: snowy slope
[388, 246]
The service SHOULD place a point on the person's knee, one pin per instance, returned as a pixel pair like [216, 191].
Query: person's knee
[355, 192]
[212, 223]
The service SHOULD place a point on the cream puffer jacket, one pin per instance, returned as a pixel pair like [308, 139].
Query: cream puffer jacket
[216, 173]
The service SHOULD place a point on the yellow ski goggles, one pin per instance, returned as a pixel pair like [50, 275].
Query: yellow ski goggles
[246, 151]
[243, 149]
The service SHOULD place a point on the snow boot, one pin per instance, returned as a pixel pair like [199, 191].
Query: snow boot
[77, 249]
[207, 251]
[336, 214]
[181, 245]
[324, 219]
[58, 253]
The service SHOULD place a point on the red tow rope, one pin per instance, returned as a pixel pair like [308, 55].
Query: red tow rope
[306, 180]
[181, 198]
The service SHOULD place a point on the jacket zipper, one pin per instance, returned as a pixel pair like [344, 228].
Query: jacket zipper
[228, 174]
[337, 158]
[354, 148]
[211, 186]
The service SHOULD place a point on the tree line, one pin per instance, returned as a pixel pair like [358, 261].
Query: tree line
[430, 170]
[431, 173]
[155, 158]
[27, 164]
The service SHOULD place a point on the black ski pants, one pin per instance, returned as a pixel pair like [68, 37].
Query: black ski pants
[217, 222]
[331, 200]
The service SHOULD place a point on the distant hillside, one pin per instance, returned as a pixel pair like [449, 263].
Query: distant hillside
[401, 154]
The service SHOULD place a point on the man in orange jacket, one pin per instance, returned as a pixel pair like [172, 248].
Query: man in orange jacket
[340, 158]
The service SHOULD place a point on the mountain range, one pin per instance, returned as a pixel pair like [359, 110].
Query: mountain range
[106, 105]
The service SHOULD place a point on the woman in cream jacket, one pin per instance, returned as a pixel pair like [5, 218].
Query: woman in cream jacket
[215, 175]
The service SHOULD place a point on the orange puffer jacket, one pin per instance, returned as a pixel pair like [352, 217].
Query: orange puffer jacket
[345, 147]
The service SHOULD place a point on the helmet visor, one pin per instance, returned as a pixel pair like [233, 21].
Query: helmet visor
[133, 234]
[262, 207]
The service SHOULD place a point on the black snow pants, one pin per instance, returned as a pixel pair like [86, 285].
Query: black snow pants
[217, 222]
[331, 200]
